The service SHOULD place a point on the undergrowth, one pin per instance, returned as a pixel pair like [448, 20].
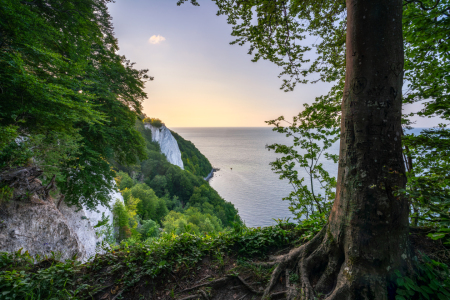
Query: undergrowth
[431, 281]
[129, 263]
[122, 268]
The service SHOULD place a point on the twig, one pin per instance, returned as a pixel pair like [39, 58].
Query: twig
[23, 235]
[204, 294]
[214, 282]
[61, 199]
[277, 294]
[266, 264]
[118, 294]
[203, 279]
[287, 278]
[282, 250]
[248, 286]
[190, 297]
[243, 297]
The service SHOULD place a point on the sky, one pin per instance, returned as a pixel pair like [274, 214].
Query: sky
[200, 79]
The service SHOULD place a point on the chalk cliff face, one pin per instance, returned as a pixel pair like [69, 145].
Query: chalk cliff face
[38, 229]
[82, 223]
[39, 226]
[168, 144]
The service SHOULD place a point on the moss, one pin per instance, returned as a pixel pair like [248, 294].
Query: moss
[330, 237]
[6, 194]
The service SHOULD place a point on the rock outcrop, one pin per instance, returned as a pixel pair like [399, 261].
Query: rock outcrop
[38, 228]
[36, 223]
[168, 144]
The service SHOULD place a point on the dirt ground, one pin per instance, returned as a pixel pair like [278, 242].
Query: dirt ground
[231, 278]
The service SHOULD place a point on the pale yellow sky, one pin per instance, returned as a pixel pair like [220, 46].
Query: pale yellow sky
[201, 80]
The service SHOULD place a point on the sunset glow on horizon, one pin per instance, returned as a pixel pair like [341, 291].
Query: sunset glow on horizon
[200, 79]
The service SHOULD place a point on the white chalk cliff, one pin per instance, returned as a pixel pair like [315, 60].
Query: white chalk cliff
[168, 144]
[40, 227]
[82, 223]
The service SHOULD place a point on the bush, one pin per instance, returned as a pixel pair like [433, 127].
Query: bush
[149, 229]
[124, 181]
[155, 122]
[192, 221]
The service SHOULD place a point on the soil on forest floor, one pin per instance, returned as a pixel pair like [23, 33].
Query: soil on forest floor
[232, 278]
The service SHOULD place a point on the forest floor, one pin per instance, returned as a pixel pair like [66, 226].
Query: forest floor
[227, 266]
[230, 277]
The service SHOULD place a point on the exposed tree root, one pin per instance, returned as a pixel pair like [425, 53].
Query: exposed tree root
[191, 297]
[248, 286]
[319, 269]
[26, 184]
[204, 295]
[304, 259]
[216, 282]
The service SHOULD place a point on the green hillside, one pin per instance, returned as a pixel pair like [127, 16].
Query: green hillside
[179, 200]
[194, 161]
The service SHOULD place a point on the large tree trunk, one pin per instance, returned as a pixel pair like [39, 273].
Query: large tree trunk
[368, 221]
[367, 234]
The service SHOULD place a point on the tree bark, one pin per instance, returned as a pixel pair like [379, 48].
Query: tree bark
[368, 221]
[366, 238]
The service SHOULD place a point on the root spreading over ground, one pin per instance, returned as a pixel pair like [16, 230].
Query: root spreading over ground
[190, 267]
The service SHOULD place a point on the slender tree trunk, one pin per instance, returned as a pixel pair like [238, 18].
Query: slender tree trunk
[368, 220]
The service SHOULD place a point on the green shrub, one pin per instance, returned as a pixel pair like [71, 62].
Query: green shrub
[191, 221]
[124, 181]
[155, 122]
[431, 281]
[149, 229]
[134, 261]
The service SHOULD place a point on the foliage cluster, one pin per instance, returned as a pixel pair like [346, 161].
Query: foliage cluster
[50, 279]
[313, 142]
[148, 205]
[6, 193]
[191, 221]
[432, 281]
[428, 187]
[68, 101]
[155, 122]
[144, 212]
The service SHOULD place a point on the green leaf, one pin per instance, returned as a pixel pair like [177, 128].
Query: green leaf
[401, 292]
[425, 295]
[426, 289]
[444, 291]
[442, 296]
[436, 236]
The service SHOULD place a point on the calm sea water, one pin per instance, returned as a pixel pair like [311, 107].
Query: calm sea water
[245, 177]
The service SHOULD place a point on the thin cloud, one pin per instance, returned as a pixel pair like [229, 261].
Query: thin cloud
[156, 39]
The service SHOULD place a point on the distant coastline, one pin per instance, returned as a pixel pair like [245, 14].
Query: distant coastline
[211, 174]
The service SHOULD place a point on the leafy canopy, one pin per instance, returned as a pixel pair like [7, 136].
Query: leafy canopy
[62, 81]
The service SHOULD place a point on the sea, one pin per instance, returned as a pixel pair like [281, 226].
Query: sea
[245, 177]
